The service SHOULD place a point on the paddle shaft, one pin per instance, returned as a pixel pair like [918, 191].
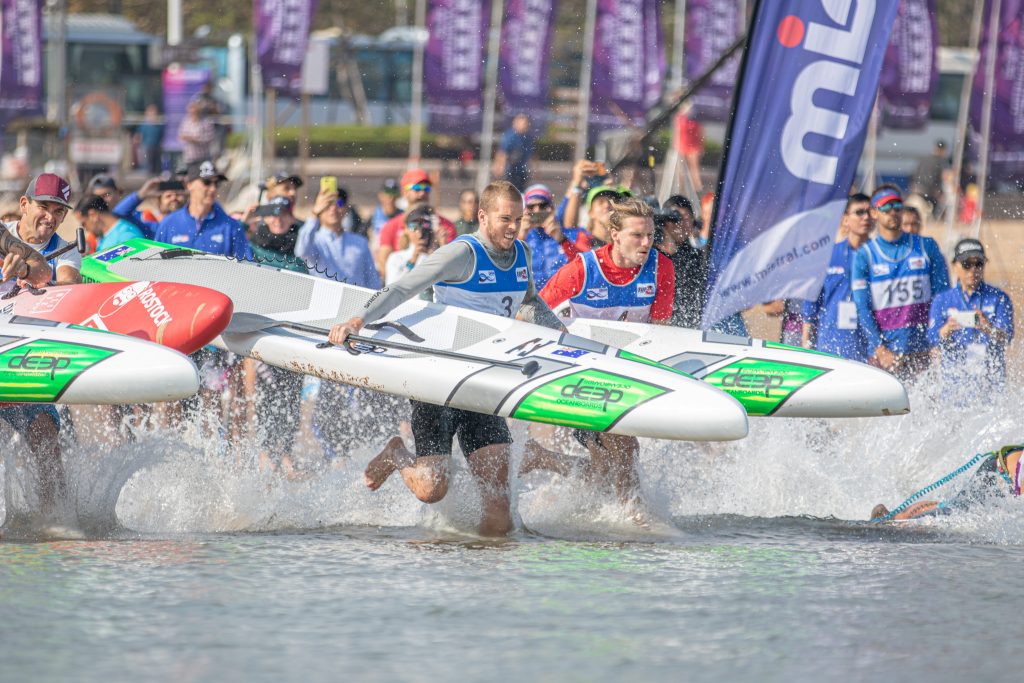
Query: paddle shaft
[528, 368]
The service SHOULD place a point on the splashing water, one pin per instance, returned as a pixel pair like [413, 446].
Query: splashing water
[181, 482]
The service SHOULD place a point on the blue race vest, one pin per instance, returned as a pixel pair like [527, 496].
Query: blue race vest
[605, 301]
[489, 288]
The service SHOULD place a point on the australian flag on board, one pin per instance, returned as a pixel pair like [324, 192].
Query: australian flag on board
[805, 94]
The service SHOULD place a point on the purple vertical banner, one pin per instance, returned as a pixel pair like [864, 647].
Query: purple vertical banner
[21, 69]
[453, 64]
[180, 87]
[527, 33]
[629, 63]
[282, 33]
[910, 72]
[712, 26]
[1006, 143]
[804, 99]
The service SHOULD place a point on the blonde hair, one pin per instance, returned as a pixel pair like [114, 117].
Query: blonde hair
[499, 189]
[628, 208]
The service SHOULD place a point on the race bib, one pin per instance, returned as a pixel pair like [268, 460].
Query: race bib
[847, 316]
[901, 291]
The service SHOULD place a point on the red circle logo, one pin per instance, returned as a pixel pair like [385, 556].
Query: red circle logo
[791, 31]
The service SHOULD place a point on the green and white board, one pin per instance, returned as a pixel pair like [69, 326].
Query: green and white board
[577, 382]
[48, 362]
[766, 377]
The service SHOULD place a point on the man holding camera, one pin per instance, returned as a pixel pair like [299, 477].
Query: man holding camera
[169, 196]
[423, 240]
[972, 323]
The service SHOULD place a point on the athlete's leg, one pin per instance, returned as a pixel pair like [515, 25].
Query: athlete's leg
[44, 444]
[613, 462]
[489, 466]
[537, 457]
[426, 476]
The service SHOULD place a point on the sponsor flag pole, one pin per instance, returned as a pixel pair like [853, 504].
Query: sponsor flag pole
[868, 182]
[726, 143]
[416, 113]
[995, 10]
[960, 141]
[791, 154]
[586, 71]
[483, 169]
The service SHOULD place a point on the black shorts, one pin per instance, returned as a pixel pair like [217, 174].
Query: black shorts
[587, 437]
[434, 427]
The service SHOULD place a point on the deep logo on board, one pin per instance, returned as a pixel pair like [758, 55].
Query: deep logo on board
[47, 364]
[594, 393]
[752, 380]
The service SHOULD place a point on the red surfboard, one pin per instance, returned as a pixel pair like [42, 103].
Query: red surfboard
[182, 317]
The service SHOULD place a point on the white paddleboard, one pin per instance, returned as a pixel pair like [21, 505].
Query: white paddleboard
[577, 382]
[48, 362]
[766, 377]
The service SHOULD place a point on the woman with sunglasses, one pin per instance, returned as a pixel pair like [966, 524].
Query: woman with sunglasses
[972, 324]
[895, 277]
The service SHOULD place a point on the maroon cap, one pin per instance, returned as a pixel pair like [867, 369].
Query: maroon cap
[49, 187]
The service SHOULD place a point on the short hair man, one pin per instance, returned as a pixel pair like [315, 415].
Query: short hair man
[109, 230]
[454, 271]
[972, 324]
[167, 195]
[831, 318]
[469, 206]
[681, 244]
[203, 224]
[43, 208]
[895, 278]
[284, 185]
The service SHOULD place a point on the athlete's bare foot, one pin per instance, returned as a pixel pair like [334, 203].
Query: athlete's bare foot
[385, 463]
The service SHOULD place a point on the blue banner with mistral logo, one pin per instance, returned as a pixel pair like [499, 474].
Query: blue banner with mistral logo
[805, 96]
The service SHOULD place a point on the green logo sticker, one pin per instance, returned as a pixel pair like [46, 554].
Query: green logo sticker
[627, 355]
[762, 385]
[590, 399]
[41, 370]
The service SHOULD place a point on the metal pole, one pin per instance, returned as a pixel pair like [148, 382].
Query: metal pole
[175, 22]
[256, 116]
[986, 109]
[271, 127]
[678, 47]
[871, 150]
[586, 72]
[56, 78]
[416, 119]
[304, 135]
[960, 143]
[483, 169]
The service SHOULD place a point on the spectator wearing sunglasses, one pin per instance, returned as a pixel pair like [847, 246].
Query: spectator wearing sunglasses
[416, 187]
[895, 277]
[332, 251]
[830, 321]
[544, 234]
[202, 223]
[972, 324]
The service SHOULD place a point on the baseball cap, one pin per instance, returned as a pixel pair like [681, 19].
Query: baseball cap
[102, 180]
[609, 191]
[414, 176]
[49, 187]
[282, 177]
[538, 193]
[203, 170]
[390, 186]
[968, 248]
[884, 195]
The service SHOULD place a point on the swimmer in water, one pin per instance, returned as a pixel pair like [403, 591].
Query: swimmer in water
[998, 468]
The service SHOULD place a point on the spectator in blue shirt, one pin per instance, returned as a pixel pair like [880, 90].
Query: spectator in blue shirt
[513, 158]
[169, 196]
[831, 319]
[203, 224]
[544, 234]
[96, 217]
[895, 277]
[330, 250]
[972, 324]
